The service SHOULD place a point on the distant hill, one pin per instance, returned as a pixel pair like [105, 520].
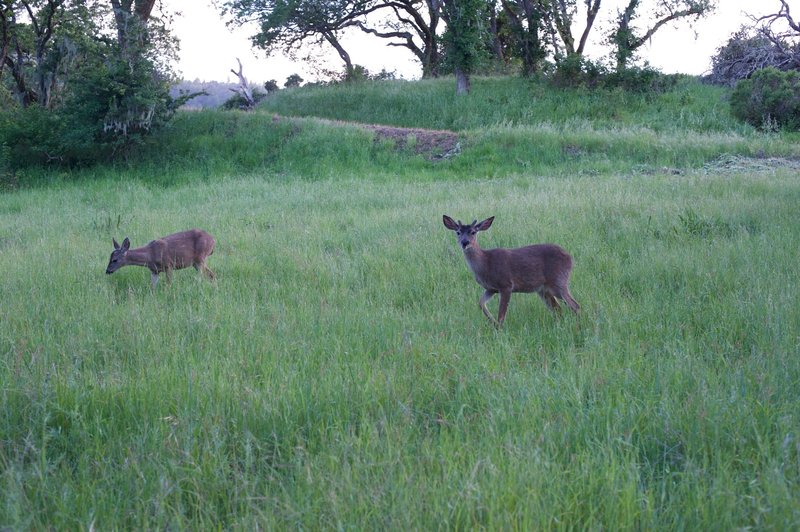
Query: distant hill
[218, 93]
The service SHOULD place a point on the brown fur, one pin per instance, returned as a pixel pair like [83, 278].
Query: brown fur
[540, 268]
[172, 252]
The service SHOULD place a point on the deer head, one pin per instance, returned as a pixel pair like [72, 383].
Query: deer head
[467, 234]
[117, 259]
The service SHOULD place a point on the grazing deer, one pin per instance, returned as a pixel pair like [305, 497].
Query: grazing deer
[540, 268]
[172, 252]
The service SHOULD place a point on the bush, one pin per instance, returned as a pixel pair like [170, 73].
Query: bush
[769, 100]
[577, 71]
[237, 101]
[644, 79]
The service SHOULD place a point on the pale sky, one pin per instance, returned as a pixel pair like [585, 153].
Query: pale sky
[209, 49]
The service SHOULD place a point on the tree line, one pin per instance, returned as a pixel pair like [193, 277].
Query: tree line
[463, 37]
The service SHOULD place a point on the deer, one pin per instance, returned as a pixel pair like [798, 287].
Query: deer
[172, 252]
[540, 268]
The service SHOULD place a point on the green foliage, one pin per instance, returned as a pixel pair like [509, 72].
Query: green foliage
[514, 102]
[294, 80]
[464, 38]
[646, 80]
[576, 71]
[271, 86]
[237, 101]
[101, 97]
[769, 100]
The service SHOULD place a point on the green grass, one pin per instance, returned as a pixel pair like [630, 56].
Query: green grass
[339, 374]
[512, 102]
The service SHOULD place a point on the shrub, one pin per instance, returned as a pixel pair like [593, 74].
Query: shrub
[237, 101]
[644, 79]
[576, 71]
[769, 100]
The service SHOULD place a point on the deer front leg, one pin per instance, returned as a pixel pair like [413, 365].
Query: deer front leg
[505, 297]
[153, 280]
[487, 295]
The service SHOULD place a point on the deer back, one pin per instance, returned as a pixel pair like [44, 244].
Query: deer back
[524, 269]
[180, 250]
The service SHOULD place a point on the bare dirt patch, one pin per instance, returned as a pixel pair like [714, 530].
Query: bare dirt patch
[434, 144]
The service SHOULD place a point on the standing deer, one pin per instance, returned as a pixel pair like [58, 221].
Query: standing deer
[540, 268]
[172, 252]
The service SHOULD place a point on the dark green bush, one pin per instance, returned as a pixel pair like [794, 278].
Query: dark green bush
[644, 79]
[769, 100]
[577, 71]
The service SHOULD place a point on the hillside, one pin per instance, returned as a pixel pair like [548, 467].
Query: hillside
[505, 127]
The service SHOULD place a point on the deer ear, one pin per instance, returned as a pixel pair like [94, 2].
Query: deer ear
[486, 224]
[449, 223]
[126, 244]
[114, 240]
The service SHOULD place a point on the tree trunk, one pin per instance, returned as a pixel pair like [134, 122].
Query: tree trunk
[462, 82]
[345, 57]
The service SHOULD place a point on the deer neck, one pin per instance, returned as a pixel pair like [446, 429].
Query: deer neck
[137, 257]
[476, 257]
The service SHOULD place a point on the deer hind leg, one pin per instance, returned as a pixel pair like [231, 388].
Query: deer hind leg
[487, 295]
[563, 293]
[153, 279]
[550, 300]
[571, 303]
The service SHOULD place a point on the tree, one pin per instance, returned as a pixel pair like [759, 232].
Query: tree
[28, 29]
[561, 16]
[786, 41]
[526, 19]
[293, 80]
[746, 52]
[90, 77]
[626, 39]
[287, 25]
[464, 38]
[415, 23]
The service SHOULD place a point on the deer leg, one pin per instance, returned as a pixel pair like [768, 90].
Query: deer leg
[505, 297]
[552, 302]
[201, 267]
[571, 303]
[153, 280]
[487, 295]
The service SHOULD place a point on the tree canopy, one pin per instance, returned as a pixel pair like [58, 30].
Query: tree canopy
[86, 77]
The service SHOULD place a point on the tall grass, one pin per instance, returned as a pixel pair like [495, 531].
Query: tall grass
[339, 374]
[689, 106]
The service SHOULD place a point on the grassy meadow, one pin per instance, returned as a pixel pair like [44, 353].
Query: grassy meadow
[339, 374]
